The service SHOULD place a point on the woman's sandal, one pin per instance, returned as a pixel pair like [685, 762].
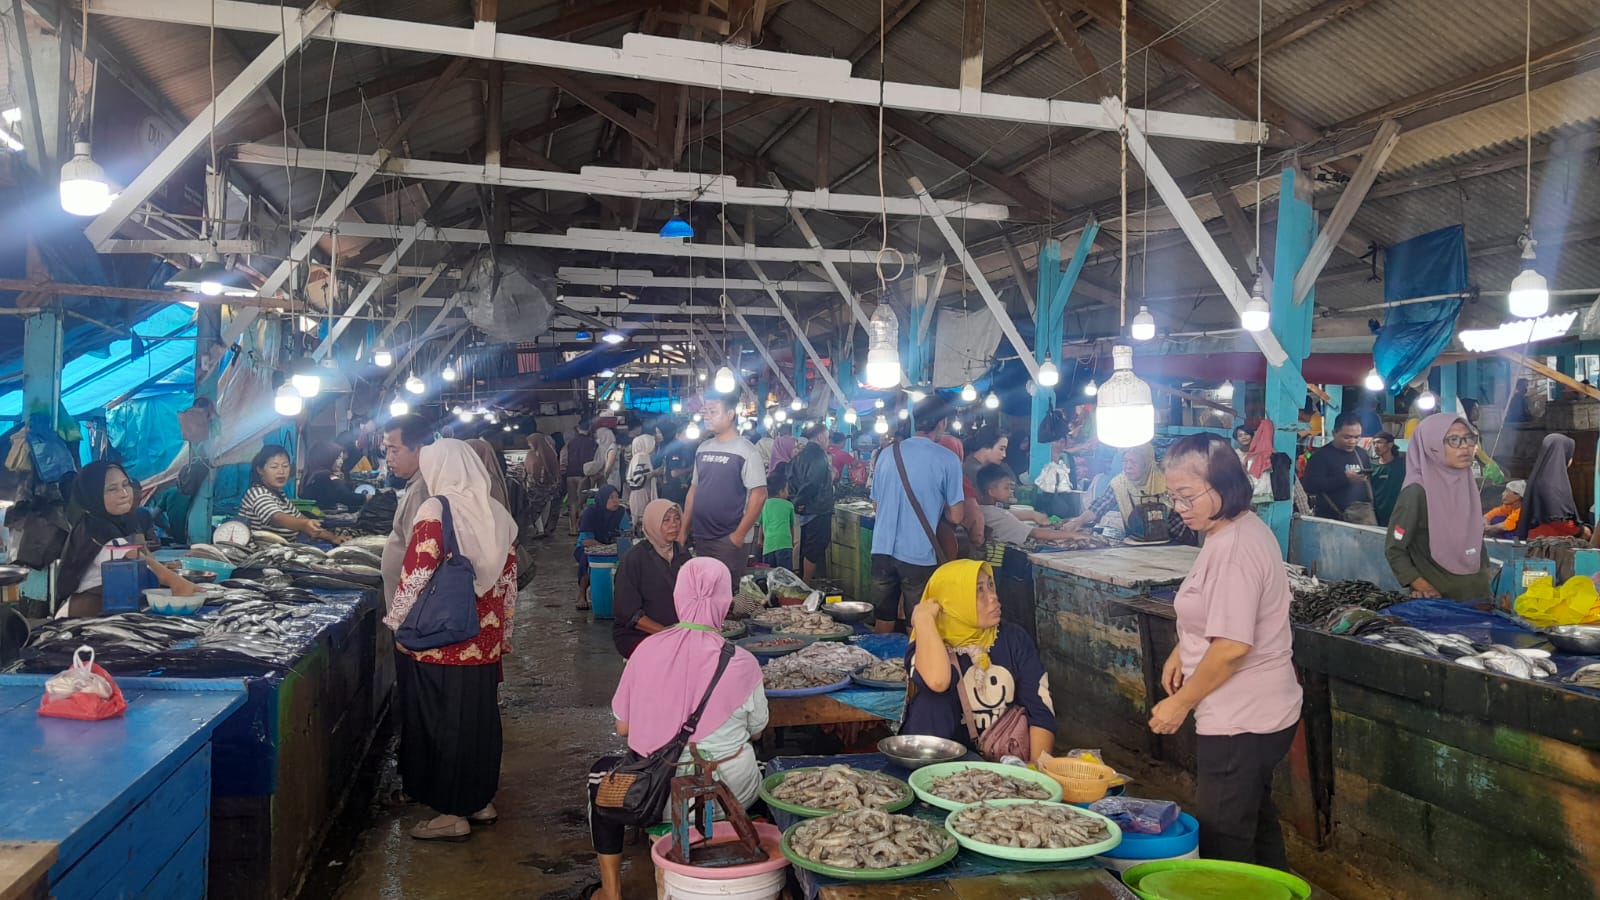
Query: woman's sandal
[397, 798]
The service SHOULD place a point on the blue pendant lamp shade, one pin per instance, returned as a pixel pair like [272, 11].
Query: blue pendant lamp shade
[677, 226]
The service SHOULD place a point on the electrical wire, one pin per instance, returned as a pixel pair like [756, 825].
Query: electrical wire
[1122, 132]
[1261, 76]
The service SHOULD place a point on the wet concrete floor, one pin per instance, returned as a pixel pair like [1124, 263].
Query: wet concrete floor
[557, 722]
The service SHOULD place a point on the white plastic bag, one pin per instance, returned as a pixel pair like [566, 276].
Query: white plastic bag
[80, 679]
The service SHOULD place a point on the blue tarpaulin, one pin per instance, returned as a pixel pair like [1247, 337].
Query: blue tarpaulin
[145, 433]
[1412, 336]
[89, 382]
[594, 362]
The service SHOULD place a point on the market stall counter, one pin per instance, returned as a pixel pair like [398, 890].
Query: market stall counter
[849, 562]
[969, 875]
[284, 760]
[117, 807]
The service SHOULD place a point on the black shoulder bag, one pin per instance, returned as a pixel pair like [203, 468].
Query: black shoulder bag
[637, 790]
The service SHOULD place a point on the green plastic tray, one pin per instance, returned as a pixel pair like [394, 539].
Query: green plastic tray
[1298, 888]
[776, 778]
[1023, 854]
[890, 874]
[922, 780]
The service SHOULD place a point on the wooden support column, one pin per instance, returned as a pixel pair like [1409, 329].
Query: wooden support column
[1055, 289]
[972, 54]
[1291, 324]
[824, 144]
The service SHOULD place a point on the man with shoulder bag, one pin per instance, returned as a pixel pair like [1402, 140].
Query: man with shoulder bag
[915, 484]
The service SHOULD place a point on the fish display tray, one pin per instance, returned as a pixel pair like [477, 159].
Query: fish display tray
[750, 643]
[922, 781]
[890, 874]
[842, 633]
[811, 691]
[875, 684]
[1024, 854]
[772, 781]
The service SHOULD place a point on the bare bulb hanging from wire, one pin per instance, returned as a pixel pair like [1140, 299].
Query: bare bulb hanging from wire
[1049, 375]
[1144, 325]
[724, 382]
[969, 393]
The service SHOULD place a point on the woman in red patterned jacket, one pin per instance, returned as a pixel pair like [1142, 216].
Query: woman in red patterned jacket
[449, 717]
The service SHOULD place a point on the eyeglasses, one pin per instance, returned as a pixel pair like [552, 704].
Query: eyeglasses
[1186, 502]
[1460, 440]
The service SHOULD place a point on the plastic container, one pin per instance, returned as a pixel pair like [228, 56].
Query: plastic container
[1272, 882]
[122, 582]
[921, 781]
[1181, 841]
[756, 881]
[1023, 854]
[1081, 780]
[222, 569]
[602, 576]
[162, 603]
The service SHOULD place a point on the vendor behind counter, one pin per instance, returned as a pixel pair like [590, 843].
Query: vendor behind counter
[1435, 541]
[107, 528]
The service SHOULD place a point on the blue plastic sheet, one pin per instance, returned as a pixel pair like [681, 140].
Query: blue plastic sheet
[1412, 336]
[145, 433]
[1444, 617]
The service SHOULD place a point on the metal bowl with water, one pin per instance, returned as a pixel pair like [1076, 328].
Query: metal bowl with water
[848, 611]
[913, 751]
[1582, 640]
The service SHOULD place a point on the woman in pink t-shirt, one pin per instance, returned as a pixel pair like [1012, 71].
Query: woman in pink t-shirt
[1232, 667]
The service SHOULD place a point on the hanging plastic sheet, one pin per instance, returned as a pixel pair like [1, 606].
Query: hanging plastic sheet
[145, 433]
[1412, 336]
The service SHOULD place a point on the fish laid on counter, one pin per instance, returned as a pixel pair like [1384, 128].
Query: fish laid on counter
[838, 787]
[1588, 676]
[1033, 826]
[782, 616]
[977, 785]
[797, 679]
[868, 839]
[817, 665]
[886, 670]
[813, 623]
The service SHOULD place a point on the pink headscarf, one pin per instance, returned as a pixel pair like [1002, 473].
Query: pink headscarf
[1455, 510]
[669, 671]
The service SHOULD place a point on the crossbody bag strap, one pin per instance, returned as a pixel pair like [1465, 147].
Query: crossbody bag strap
[447, 524]
[966, 705]
[922, 517]
[694, 717]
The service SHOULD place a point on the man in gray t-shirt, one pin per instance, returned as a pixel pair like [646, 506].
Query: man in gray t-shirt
[728, 490]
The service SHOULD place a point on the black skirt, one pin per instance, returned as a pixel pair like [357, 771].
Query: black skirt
[450, 738]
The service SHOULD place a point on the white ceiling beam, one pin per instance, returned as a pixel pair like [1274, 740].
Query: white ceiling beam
[821, 256]
[1205, 246]
[290, 31]
[979, 281]
[1344, 212]
[608, 181]
[367, 290]
[694, 63]
[603, 241]
[761, 347]
[607, 306]
[157, 247]
[646, 278]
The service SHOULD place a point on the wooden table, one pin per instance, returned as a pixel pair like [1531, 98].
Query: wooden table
[24, 869]
[819, 709]
[1125, 567]
[1078, 884]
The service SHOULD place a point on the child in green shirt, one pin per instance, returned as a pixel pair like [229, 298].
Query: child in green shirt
[779, 525]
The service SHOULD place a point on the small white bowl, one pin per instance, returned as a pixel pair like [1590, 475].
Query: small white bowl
[162, 603]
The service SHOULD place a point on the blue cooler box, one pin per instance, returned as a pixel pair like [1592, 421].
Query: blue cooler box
[602, 584]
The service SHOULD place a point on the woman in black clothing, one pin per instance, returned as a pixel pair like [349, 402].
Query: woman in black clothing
[643, 604]
[324, 482]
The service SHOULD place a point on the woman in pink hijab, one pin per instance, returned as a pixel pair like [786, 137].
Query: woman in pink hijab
[666, 677]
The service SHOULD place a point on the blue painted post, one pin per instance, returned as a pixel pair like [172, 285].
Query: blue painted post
[798, 351]
[1055, 288]
[1447, 389]
[1291, 322]
[41, 393]
[208, 331]
[1334, 406]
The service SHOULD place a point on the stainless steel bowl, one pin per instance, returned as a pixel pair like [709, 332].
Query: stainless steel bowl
[850, 611]
[913, 751]
[1583, 640]
[196, 576]
[10, 575]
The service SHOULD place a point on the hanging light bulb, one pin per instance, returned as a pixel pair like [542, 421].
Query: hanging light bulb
[701, 376]
[766, 422]
[991, 401]
[1374, 381]
[457, 409]
[677, 407]
[1226, 390]
[286, 401]
[850, 416]
[1091, 389]
[883, 348]
[1530, 293]
[1125, 415]
[213, 279]
[903, 414]
[878, 403]
[676, 227]
[465, 415]
[916, 396]
[616, 405]
[612, 336]
[305, 378]
[1049, 375]
[1144, 325]
[1427, 401]
[968, 393]
[608, 373]
[414, 384]
[449, 373]
[881, 426]
[695, 417]
[84, 188]
[692, 431]
[382, 357]
[779, 414]
[1257, 315]
[797, 404]
[724, 382]
[955, 424]
[491, 416]
[398, 406]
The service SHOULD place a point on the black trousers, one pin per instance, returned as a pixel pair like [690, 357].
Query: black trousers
[897, 587]
[1233, 787]
[606, 835]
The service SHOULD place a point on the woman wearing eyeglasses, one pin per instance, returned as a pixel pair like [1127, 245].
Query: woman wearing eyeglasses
[1435, 542]
[1232, 667]
[106, 528]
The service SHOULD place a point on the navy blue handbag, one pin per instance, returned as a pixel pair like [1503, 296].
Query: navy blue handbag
[446, 612]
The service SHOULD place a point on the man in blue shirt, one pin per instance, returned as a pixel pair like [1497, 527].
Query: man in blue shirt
[903, 558]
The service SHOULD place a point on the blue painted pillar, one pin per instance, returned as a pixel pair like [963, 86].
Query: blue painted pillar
[1448, 390]
[1055, 288]
[41, 365]
[1335, 406]
[208, 331]
[798, 351]
[1291, 322]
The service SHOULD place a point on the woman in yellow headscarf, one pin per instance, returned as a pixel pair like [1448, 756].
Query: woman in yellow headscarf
[958, 643]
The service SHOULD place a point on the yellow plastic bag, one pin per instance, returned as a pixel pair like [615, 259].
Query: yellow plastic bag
[1575, 603]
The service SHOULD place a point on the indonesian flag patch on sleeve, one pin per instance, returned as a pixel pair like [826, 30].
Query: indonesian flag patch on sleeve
[1399, 533]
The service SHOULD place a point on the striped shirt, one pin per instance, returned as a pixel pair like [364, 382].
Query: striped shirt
[261, 503]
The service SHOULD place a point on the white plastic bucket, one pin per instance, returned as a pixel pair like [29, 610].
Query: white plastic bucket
[678, 886]
[1123, 865]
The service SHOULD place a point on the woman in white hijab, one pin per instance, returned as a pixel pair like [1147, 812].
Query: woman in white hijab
[450, 738]
[641, 476]
[608, 458]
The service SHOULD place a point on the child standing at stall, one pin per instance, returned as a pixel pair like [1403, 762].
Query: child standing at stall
[778, 522]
